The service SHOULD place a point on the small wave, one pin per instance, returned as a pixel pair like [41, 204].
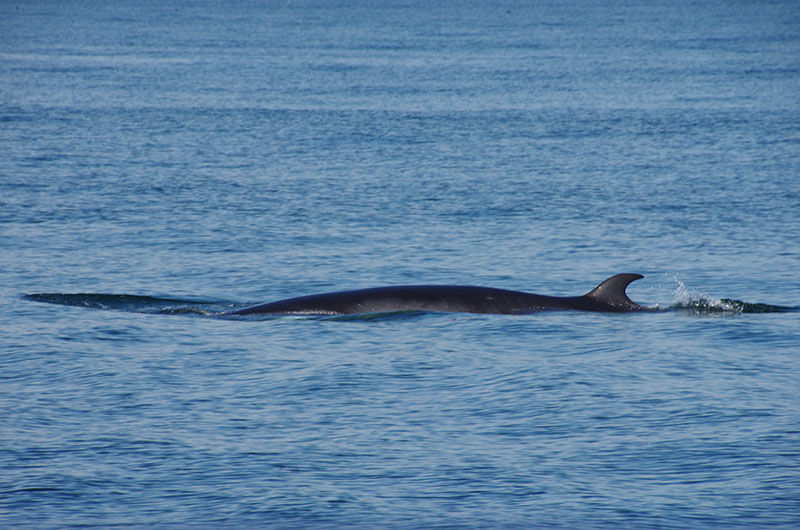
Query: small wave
[188, 311]
[700, 303]
[729, 305]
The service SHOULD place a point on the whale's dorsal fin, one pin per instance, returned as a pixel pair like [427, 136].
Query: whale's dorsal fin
[612, 292]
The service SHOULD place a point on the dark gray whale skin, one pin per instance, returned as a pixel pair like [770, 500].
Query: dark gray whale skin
[609, 296]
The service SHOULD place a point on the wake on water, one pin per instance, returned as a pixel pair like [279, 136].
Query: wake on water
[684, 299]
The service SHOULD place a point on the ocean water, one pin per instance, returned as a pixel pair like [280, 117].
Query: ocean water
[163, 163]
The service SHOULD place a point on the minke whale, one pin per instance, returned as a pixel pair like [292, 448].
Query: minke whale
[609, 296]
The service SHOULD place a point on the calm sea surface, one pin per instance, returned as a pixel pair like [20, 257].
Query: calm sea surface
[161, 164]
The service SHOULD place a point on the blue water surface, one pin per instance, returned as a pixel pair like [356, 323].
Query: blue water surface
[162, 163]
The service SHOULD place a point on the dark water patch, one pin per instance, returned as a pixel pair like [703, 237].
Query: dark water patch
[130, 303]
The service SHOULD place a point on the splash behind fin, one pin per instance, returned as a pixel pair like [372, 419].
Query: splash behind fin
[612, 292]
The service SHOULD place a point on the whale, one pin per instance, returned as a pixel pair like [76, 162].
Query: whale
[609, 296]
